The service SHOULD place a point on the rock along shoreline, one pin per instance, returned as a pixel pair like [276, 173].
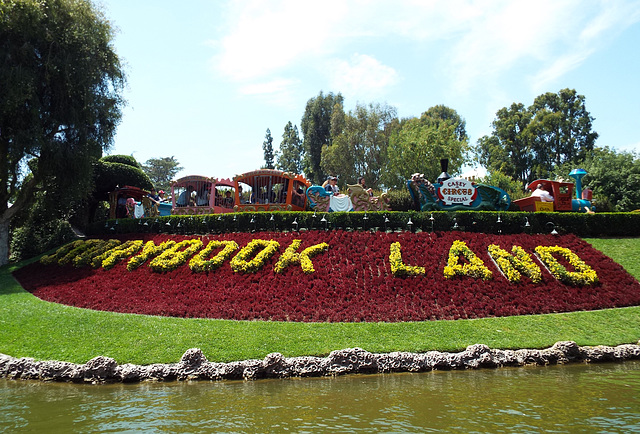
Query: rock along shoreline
[194, 366]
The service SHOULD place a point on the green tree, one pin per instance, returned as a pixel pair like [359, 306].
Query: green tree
[614, 178]
[161, 171]
[267, 147]
[440, 114]
[560, 129]
[290, 155]
[531, 143]
[37, 231]
[416, 145]
[509, 148]
[316, 132]
[60, 101]
[360, 142]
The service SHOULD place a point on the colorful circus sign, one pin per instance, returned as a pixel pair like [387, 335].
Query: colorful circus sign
[455, 191]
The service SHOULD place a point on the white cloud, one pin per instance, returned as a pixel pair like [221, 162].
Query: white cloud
[597, 31]
[632, 147]
[478, 42]
[362, 76]
[562, 65]
[267, 88]
[265, 37]
[543, 39]
[506, 34]
[278, 91]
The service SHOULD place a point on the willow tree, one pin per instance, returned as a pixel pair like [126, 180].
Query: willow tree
[60, 101]
[360, 141]
[418, 145]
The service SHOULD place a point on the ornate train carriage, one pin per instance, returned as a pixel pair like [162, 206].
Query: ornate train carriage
[134, 202]
[270, 190]
[195, 195]
[122, 201]
[356, 199]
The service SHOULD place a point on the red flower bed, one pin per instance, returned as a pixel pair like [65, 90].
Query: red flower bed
[352, 282]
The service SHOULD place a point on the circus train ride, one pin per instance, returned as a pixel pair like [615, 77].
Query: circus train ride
[458, 194]
[258, 190]
[275, 190]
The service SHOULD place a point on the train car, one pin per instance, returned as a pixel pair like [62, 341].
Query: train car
[270, 190]
[122, 201]
[134, 202]
[562, 193]
[196, 195]
[356, 199]
[456, 194]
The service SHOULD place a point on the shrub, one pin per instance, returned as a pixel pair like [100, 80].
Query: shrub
[127, 160]
[110, 174]
[505, 182]
[581, 224]
[400, 200]
[33, 238]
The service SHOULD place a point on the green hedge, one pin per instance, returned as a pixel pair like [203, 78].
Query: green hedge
[584, 225]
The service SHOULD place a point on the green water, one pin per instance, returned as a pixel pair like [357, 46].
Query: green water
[574, 398]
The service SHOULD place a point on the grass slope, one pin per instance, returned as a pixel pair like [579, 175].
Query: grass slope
[30, 327]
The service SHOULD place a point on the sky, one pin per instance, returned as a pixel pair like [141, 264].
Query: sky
[207, 78]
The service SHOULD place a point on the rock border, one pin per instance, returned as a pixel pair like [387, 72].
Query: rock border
[194, 366]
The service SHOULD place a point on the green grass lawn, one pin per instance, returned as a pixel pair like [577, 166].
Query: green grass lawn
[30, 327]
[625, 251]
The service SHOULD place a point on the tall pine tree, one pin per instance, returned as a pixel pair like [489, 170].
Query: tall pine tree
[267, 147]
[291, 151]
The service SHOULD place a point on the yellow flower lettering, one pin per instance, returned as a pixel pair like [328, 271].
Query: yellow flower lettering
[398, 268]
[474, 268]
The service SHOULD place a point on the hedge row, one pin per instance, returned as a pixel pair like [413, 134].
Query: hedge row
[584, 225]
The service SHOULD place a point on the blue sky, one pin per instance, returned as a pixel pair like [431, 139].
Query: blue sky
[206, 78]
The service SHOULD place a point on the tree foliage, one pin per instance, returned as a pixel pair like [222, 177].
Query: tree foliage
[316, 132]
[59, 101]
[439, 114]
[508, 150]
[529, 143]
[290, 156]
[417, 145]
[614, 178]
[267, 147]
[505, 182]
[38, 231]
[360, 141]
[161, 171]
[560, 129]
[128, 160]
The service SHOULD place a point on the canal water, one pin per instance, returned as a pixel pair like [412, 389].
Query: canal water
[571, 398]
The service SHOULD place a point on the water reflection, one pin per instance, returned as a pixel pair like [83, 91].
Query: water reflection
[572, 398]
